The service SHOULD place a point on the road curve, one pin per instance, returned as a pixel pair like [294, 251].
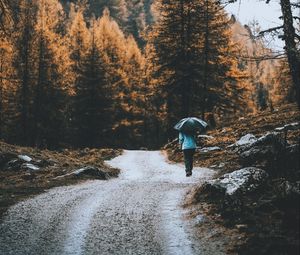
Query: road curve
[137, 213]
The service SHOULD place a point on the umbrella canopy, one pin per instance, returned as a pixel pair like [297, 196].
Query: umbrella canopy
[190, 125]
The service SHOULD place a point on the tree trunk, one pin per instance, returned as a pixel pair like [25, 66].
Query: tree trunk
[25, 85]
[290, 46]
[206, 53]
[1, 97]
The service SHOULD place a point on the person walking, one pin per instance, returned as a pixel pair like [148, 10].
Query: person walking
[188, 146]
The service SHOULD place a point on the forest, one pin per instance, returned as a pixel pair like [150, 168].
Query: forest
[122, 73]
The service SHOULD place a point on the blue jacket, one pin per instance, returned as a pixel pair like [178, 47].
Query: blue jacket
[187, 141]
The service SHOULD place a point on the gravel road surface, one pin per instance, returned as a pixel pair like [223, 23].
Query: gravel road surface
[137, 213]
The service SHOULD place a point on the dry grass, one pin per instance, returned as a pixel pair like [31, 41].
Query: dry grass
[230, 131]
[255, 231]
[16, 185]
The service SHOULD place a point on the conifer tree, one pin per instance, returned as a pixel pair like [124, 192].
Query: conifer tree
[7, 79]
[48, 94]
[91, 102]
[195, 54]
[25, 64]
[78, 39]
[111, 42]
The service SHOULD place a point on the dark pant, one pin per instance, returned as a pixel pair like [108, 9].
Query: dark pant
[188, 159]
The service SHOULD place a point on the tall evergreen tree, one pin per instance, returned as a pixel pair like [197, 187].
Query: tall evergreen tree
[24, 61]
[48, 94]
[91, 102]
[192, 40]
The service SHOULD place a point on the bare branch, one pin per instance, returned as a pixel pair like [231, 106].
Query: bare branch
[263, 58]
[295, 5]
[270, 30]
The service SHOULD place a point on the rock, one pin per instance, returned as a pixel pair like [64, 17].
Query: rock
[25, 158]
[221, 165]
[270, 137]
[291, 126]
[241, 226]
[246, 139]
[265, 152]
[87, 171]
[205, 136]
[242, 181]
[43, 163]
[91, 171]
[30, 167]
[209, 149]
[287, 189]
[14, 165]
[230, 191]
[199, 219]
[243, 141]
[254, 155]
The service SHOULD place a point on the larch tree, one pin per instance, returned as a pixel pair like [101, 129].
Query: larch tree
[111, 41]
[135, 99]
[78, 40]
[48, 92]
[154, 93]
[91, 102]
[25, 65]
[7, 83]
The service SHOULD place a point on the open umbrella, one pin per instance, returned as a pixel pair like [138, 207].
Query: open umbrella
[190, 125]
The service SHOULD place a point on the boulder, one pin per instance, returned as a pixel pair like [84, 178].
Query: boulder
[87, 171]
[247, 139]
[265, 152]
[91, 171]
[232, 190]
[242, 181]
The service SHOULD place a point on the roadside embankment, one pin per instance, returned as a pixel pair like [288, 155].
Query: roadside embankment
[256, 190]
[26, 171]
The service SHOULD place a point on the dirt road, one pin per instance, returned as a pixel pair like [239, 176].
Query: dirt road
[137, 213]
